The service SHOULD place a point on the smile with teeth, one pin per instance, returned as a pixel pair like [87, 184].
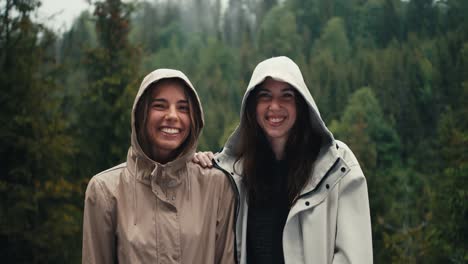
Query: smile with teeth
[169, 130]
[276, 120]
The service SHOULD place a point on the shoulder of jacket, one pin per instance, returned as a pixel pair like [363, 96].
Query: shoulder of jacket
[346, 153]
[228, 163]
[354, 169]
[205, 173]
[216, 178]
[109, 178]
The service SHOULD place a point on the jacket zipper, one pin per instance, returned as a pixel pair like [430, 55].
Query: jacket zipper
[320, 183]
[237, 205]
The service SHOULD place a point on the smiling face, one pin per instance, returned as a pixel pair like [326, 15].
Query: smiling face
[168, 121]
[276, 110]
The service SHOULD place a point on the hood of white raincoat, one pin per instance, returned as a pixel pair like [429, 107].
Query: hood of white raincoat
[285, 70]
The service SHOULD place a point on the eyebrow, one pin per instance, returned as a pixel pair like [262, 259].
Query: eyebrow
[164, 100]
[287, 89]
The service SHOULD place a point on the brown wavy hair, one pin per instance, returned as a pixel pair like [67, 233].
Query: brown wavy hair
[301, 150]
[141, 116]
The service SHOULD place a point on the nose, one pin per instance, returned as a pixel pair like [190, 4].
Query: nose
[275, 104]
[171, 113]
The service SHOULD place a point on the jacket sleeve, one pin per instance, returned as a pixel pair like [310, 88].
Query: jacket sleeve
[353, 232]
[98, 225]
[225, 233]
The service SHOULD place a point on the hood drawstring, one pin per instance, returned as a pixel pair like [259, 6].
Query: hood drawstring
[188, 181]
[134, 192]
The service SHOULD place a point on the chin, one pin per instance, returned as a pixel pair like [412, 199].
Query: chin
[169, 146]
[276, 134]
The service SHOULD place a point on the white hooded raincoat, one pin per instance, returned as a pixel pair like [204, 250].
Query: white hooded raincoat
[330, 220]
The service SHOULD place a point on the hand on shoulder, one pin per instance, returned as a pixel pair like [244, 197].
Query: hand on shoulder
[203, 158]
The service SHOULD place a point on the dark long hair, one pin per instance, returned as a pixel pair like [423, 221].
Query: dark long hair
[301, 150]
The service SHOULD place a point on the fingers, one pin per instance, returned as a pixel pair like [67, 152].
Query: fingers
[203, 159]
[210, 155]
[195, 158]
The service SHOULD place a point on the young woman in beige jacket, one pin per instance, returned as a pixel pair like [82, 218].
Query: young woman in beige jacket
[158, 207]
[303, 196]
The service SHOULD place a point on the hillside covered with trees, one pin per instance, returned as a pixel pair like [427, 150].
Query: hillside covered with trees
[390, 78]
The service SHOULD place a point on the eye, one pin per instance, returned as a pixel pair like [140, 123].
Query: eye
[184, 108]
[289, 95]
[158, 105]
[263, 95]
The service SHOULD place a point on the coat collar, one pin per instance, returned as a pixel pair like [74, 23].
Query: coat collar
[148, 171]
[326, 160]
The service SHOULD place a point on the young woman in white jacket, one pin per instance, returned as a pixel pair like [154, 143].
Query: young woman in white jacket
[302, 194]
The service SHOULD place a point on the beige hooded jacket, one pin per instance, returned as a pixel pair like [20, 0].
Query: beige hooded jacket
[145, 212]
